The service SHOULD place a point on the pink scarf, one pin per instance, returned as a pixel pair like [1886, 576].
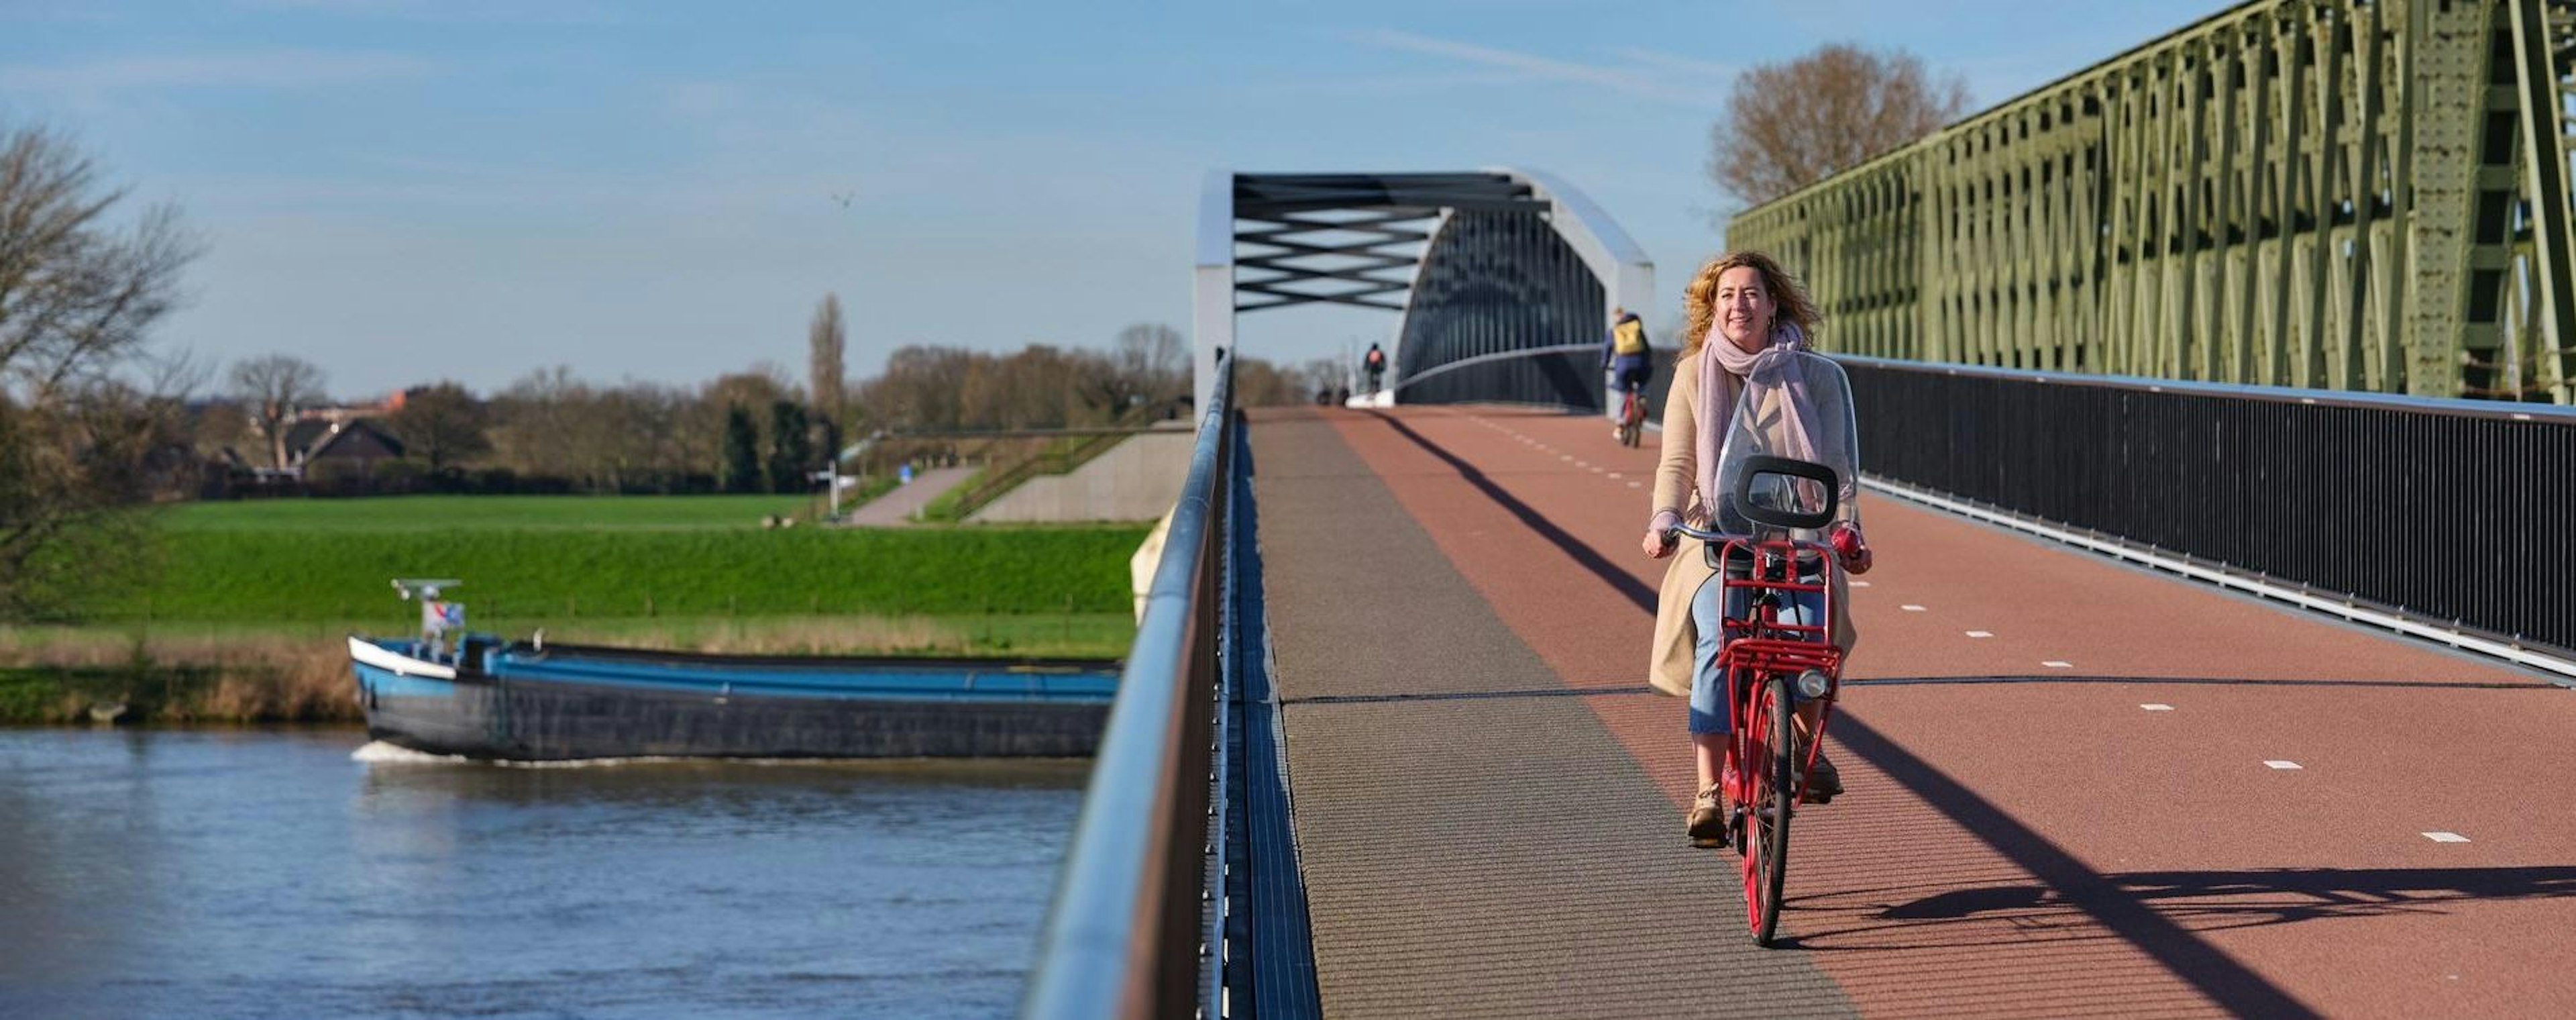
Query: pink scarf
[1722, 371]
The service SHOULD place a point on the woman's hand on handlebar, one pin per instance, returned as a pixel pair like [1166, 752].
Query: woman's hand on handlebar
[1660, 542]
[1851, 548]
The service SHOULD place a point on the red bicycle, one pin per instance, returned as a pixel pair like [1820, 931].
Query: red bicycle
[1776, 655]
[1632, 416]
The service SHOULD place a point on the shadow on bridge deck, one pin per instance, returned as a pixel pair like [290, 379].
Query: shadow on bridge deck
[2067, 782]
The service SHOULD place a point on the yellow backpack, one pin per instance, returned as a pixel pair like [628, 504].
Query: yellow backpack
[1629, 337]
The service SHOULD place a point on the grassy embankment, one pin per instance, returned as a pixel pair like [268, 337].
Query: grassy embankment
[245, 623]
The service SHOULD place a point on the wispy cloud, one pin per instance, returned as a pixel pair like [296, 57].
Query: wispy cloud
[1627, 77]
[245, 69]
[1677, 64]
[509, 12]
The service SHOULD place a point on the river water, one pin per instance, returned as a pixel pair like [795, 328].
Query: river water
[274, 874]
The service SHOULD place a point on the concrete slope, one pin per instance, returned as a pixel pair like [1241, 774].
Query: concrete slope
[1136, 480]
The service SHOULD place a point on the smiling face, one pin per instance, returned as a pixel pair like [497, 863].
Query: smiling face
[1744, 308]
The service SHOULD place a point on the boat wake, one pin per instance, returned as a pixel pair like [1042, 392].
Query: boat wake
[378, 752]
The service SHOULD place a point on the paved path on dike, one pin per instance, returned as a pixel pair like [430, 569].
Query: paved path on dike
[2071, 782]
[896, 507]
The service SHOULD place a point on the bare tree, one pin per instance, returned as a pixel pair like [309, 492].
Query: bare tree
[1155, 356]
[78, 295]
[825, 343]
[272, 389]
[533, 419]
[921, 388]
[442, 424]
[1788, 125]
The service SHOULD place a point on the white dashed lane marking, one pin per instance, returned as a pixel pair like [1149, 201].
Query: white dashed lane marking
[2058, 664]
[2285, 766]
[2446, 837]
[1911, 608]
[2152, 707]
[1981, 633]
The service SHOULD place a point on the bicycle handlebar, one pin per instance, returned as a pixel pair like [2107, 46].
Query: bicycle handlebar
[1672, 538]
[1702, 534]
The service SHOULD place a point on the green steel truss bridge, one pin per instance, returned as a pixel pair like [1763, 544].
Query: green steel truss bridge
[2339, 194]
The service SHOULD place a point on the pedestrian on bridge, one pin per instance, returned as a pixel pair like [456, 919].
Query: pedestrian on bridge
[1743, 309]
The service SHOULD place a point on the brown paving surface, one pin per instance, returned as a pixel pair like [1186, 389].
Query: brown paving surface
[2040, 848]
[1476, 843]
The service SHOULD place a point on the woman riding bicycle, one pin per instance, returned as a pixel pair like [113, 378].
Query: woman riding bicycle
[1746, 315]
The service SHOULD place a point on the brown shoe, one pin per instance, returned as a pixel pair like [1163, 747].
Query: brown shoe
[1824, 781]
[1708, 818]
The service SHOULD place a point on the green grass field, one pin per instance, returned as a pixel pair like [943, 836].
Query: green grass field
[252, 597]
[264, 576]
[482, 513]
[531, 561]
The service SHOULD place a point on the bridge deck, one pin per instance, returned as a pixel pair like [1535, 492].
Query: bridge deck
[1489, 800]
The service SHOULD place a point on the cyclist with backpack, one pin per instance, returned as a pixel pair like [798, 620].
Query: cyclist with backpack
[1374, 363]
[1627, 356]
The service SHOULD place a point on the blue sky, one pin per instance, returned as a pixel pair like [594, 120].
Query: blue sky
[410, 190]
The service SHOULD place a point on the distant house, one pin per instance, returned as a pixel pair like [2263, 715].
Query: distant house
[350, 446]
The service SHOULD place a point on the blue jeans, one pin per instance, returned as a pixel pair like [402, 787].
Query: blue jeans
[1711, 711]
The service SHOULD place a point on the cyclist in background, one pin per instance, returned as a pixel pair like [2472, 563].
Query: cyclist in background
[1625, 352]
[1374, 363]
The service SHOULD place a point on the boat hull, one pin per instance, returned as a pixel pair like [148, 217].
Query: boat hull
[551, 718]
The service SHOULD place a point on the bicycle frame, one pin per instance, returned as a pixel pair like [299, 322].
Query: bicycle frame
[1762, 658]
[1764, 647]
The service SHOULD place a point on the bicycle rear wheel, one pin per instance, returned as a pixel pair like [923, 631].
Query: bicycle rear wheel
[1771, 786]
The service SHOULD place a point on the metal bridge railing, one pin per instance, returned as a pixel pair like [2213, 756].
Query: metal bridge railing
[2447, 514]
[1123, 937]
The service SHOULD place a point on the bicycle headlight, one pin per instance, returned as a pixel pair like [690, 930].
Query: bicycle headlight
[1813, 683]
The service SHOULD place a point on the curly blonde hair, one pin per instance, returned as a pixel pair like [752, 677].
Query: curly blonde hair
[1789, 300]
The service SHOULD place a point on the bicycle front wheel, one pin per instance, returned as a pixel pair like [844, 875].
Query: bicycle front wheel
[1772, 783]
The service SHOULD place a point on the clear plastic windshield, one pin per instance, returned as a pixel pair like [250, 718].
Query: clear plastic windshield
[1796, 407]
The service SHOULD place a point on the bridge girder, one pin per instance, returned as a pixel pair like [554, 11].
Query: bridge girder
[2322, 193]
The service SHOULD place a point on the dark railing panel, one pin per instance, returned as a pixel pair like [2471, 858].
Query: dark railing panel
[2450, 511]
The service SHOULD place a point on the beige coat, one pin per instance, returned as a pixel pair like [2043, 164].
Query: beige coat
[1677, 489]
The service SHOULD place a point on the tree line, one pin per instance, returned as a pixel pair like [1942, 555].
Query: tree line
[754, 431]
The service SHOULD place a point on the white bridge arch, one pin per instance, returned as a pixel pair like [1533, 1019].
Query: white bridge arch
[1505, 277]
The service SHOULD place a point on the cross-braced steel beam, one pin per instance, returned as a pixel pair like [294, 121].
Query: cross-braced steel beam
[2351, 194]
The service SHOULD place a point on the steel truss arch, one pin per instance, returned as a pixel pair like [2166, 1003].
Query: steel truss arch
[1508, 267]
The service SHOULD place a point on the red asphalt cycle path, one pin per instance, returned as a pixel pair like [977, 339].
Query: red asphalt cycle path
[2023, 838]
